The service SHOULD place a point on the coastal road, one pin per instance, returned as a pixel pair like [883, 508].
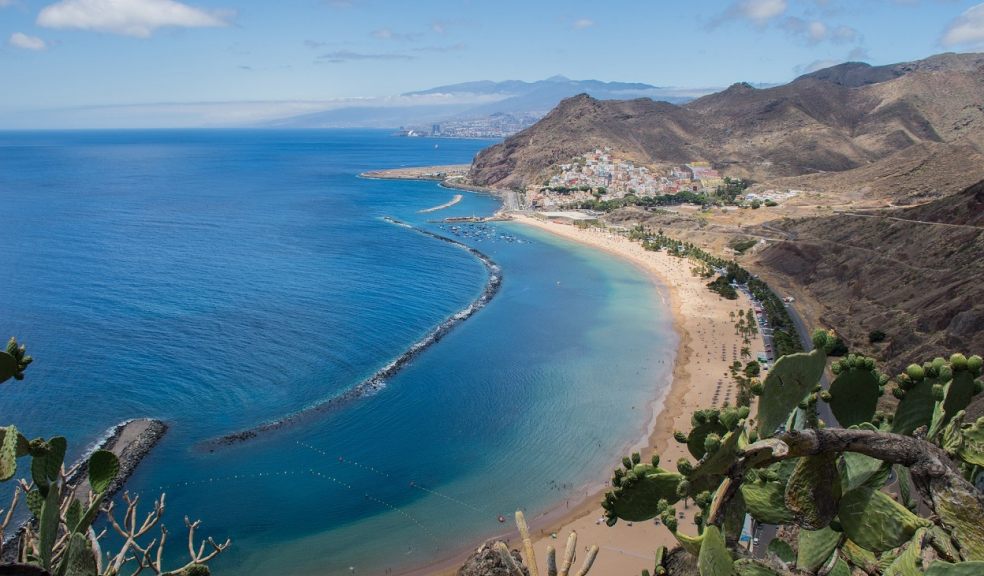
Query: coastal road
[510, 200]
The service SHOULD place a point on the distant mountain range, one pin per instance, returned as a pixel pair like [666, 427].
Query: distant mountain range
[475, 104]
[923, 118]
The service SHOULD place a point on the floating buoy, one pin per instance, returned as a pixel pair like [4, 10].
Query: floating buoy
[502, 518]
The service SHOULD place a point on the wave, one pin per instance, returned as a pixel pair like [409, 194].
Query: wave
[377, 381]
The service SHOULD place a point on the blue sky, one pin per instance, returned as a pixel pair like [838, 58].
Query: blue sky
[57, 56]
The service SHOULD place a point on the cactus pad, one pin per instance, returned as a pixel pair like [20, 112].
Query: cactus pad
[749, 567]
[8, 366]
[706, 475]
[959, 512]
[638, 496]
[814, 491]
[854, 393]
[856, 469]
[965, 441]
[697, 437]
[782, 550]
[915, 409]
[957, 395]
[909, 562]
[714, 558]
[815, 547]
[858, 556]
[104, 466]
[940, 568]
[875, 521]
[840, 568]
[692, 544]
[46, 466]
[765, 502]
[789, 381]
[80, 561]
[8, 453]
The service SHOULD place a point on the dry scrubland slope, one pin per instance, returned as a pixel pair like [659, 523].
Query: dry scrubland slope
[915, 273]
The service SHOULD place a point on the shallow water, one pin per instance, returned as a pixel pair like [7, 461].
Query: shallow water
[222, 279]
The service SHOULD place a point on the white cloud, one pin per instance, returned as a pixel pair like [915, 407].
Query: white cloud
[25, 42]
[967, 29]
[816, 31]
[816, 65]
[583, 23]
[137, 18]
[389, 34]
[759, 12]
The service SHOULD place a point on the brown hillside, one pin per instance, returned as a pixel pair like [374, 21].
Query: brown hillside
[914, 273]
[835, 120]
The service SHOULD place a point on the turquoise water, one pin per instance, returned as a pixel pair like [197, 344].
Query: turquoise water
[222, 279]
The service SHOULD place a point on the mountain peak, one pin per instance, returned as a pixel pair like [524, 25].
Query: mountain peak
[558, 78]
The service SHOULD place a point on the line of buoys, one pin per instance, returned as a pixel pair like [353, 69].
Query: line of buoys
[446, 497]
[402, 513]
[344, 460]
[212, 480]
[329, 477]
[412, 484]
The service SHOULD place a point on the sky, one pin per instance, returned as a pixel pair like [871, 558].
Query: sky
[223, 62]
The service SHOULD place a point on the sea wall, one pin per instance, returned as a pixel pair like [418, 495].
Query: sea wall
[375, 382]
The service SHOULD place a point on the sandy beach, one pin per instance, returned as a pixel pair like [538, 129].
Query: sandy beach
[708, 345]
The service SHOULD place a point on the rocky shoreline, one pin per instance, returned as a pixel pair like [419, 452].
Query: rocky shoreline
[131, 441]
[377, 380]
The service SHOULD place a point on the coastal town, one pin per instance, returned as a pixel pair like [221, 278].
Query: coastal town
[602, 177]
[498, 125]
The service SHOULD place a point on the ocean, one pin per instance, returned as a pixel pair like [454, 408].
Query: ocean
[220, 280]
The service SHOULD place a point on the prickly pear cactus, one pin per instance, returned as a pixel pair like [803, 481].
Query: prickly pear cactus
[909, 562]
[46, 462]
[782, 550]
[14, 361]
[80, 561]
[813, 492]
[708, 473]
[957, 394]
[960, 513]
[749, 567]
[698, 437]
[858, 556]
[104, 466]
[714, 558]
[915, 393]
[940, 568]
[815, 547]
[8, 453]
[692, 544]
[640, 493]
[875, 521]
[857, 469]
[791, 379]
[765, 502]
[965, 441]
[854, 393]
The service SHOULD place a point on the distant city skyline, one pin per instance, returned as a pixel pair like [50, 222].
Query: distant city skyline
[119, 63]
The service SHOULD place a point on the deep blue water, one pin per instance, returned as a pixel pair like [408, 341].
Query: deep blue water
[222, 279]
